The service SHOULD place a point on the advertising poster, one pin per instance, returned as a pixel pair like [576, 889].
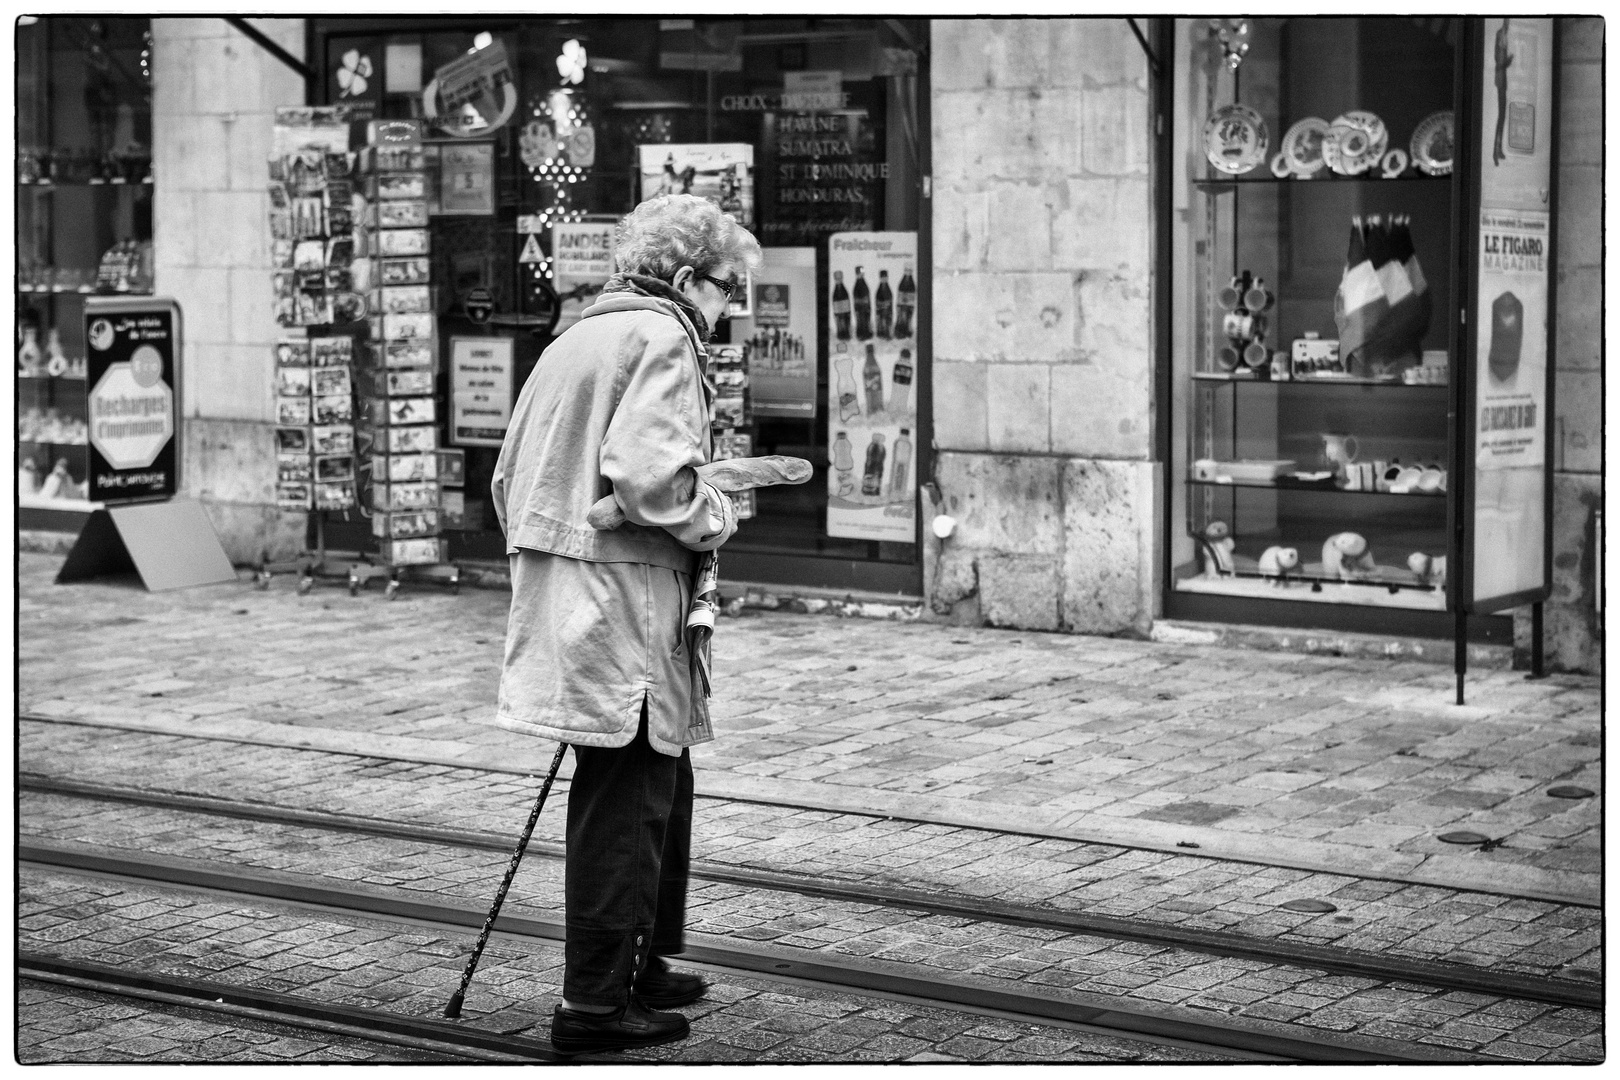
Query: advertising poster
[723, 173]
[131, 369]
[1511, 322]
[872, 403]
[480, 390]
[466, 179]
[582, 261]
[781, 334]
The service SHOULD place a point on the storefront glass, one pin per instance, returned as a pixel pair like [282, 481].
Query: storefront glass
[803, 128]
[84, 227]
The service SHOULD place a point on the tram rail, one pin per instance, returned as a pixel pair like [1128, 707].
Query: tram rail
[1519, 986]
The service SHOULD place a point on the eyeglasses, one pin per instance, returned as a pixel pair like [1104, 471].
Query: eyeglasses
[727, 287]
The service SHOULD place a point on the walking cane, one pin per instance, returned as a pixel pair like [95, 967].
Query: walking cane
[453, 1010]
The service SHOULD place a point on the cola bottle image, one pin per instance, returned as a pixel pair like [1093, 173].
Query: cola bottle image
[902, 466]
[900, 387]
[863, 307]
[905, 306]
[885, 306]
[840, 306]
[872, 376]
[843, 463]
[848, 404]
[872, 479]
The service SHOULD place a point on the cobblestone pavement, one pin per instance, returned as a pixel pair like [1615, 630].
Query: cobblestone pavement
[1055, 964]
[370, 963]
[58, 1023]
[1310, 762]
[1417, 922]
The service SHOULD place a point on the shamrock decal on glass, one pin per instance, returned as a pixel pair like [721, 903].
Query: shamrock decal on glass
[571, 64]
[352, 76]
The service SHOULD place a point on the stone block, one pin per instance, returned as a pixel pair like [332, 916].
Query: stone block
[252, 307]
[1019, 591]
[250, 141]
[172, 77]
[1006, 316]
[1580, 317]
[1015, 53]
[959, 406]
[961, 228]
[1114, 137]
[1572, 635]
[1103, 409]
[1580, 114]
[1580, 215]
[1582, 39]
[1579, 431]
[1003, 502]
[174, 236]
[230, 382]
[230, 460]
[1109, 538]
[1115, 317]
[1020, 227]
[288, 33]
[956, 577]
[1018, 408]
[227, 74]
[1101, 223]
[204, 299]
[234, 228]
[1006, 135]
[190, 153]
[252, 534]
[190, 29]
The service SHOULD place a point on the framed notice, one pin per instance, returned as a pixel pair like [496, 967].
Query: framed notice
[871, 386]
[467, 178]
[480, 390]
[1508, 332]
[132, 371]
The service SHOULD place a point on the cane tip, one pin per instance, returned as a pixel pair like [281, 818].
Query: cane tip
[452, 1011]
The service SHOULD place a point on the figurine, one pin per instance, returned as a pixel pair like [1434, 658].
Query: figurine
[30, 360]
[59, 484]
[1216, 545]
[56, 363]
[1276, 563]
[1347, 556]
[1430, 569]
[27, 477]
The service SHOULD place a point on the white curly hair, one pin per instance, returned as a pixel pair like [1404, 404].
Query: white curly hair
[666, 233]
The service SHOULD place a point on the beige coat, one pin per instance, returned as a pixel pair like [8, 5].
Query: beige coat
[618, 403]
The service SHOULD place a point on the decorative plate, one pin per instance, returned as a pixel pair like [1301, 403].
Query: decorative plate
[1235, 139]
[1433, 147]
[1302, 145]
[1355, 142]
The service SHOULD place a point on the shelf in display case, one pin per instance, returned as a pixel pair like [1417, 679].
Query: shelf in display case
[1334, 380]
[1407, 594]
[1319, 180]
[59, 185]
[1313, 488]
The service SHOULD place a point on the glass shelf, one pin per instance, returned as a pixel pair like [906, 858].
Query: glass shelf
[1314, 489]
[1349, 380]
[1321, 179]
[58, 185]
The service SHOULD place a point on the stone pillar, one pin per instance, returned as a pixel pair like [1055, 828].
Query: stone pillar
[1042, 324]
[214, 96]
[1574, 640]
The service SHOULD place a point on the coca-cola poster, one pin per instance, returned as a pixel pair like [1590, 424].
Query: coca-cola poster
[871, 386]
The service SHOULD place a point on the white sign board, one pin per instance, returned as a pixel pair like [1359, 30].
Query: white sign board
[481, 372]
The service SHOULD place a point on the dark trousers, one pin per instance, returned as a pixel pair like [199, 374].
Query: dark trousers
[629, 849]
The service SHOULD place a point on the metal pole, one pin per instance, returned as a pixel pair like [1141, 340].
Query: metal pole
[1538, 668]
[1460, 647]
[453, 1010]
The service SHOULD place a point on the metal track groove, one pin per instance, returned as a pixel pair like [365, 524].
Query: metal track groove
[1092, 1011]
[1460, 977]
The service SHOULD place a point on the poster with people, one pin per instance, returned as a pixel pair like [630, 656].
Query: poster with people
[1510, 322]
[723, 173]
[871, 391]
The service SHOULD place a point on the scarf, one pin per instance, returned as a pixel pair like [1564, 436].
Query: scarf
[645, 285]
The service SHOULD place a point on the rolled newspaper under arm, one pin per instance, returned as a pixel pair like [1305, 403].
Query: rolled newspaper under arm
[728, 475]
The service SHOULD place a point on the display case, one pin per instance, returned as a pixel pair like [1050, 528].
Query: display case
[84, 227]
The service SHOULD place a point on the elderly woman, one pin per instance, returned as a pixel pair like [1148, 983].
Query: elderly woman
[595, 647]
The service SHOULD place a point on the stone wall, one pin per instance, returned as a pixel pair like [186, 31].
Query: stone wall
[1573, 634]
[214, 96]
[1042, 325]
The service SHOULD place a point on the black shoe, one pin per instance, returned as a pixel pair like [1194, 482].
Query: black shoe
[665, 989]
[635, 1025]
